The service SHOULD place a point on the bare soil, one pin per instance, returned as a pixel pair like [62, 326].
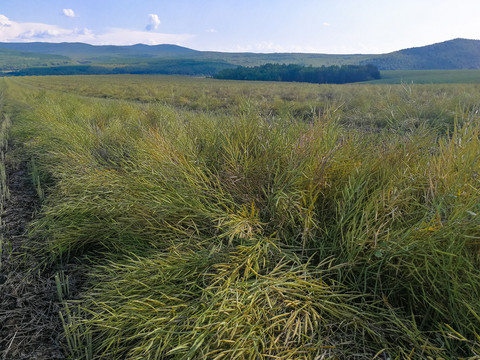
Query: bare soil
[29, 320]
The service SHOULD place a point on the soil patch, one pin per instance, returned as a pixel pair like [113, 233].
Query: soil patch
[29, 321]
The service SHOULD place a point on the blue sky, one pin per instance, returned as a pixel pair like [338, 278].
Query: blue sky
[319, 26]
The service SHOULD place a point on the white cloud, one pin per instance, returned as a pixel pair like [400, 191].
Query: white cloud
[326, 24]
[12, 31]
[15, 31]
[212, 31]
[4, 22]
[68, 12]
[153, 22]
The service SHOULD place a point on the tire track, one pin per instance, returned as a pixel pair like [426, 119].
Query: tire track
[29, 321]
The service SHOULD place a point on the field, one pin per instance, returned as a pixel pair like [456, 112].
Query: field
[429, 77]
[185, 218]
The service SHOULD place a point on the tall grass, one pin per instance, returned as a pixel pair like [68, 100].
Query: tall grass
[348, 232]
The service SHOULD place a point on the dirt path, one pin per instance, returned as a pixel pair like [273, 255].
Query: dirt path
[29, 321]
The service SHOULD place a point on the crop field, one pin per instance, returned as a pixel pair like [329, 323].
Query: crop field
[192, 218]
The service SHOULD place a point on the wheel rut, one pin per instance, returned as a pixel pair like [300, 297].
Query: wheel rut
[29, 320]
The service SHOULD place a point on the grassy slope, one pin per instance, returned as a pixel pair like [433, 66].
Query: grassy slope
[224, 219]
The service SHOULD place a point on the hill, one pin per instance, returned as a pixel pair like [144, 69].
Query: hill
[452, 54]
[85, 52]
[111, 54]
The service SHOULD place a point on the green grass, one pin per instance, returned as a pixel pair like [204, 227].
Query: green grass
[428, 77]
[223, 220]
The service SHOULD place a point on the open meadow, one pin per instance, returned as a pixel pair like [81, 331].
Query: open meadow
[463, 76]
[192, 218]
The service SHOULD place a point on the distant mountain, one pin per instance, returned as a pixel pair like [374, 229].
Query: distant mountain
[85, 52]
[112, 54]
[452, 54]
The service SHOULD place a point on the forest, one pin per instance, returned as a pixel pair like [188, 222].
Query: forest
[320, 75]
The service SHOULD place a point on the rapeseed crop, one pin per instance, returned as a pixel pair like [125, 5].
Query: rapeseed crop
[218, 220]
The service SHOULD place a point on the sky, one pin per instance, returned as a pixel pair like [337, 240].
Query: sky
[312, 26]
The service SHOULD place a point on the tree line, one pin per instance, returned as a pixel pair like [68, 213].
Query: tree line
[321, 75]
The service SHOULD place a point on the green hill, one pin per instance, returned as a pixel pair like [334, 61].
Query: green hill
[110, 54]
[86, 52]
[452, 54]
